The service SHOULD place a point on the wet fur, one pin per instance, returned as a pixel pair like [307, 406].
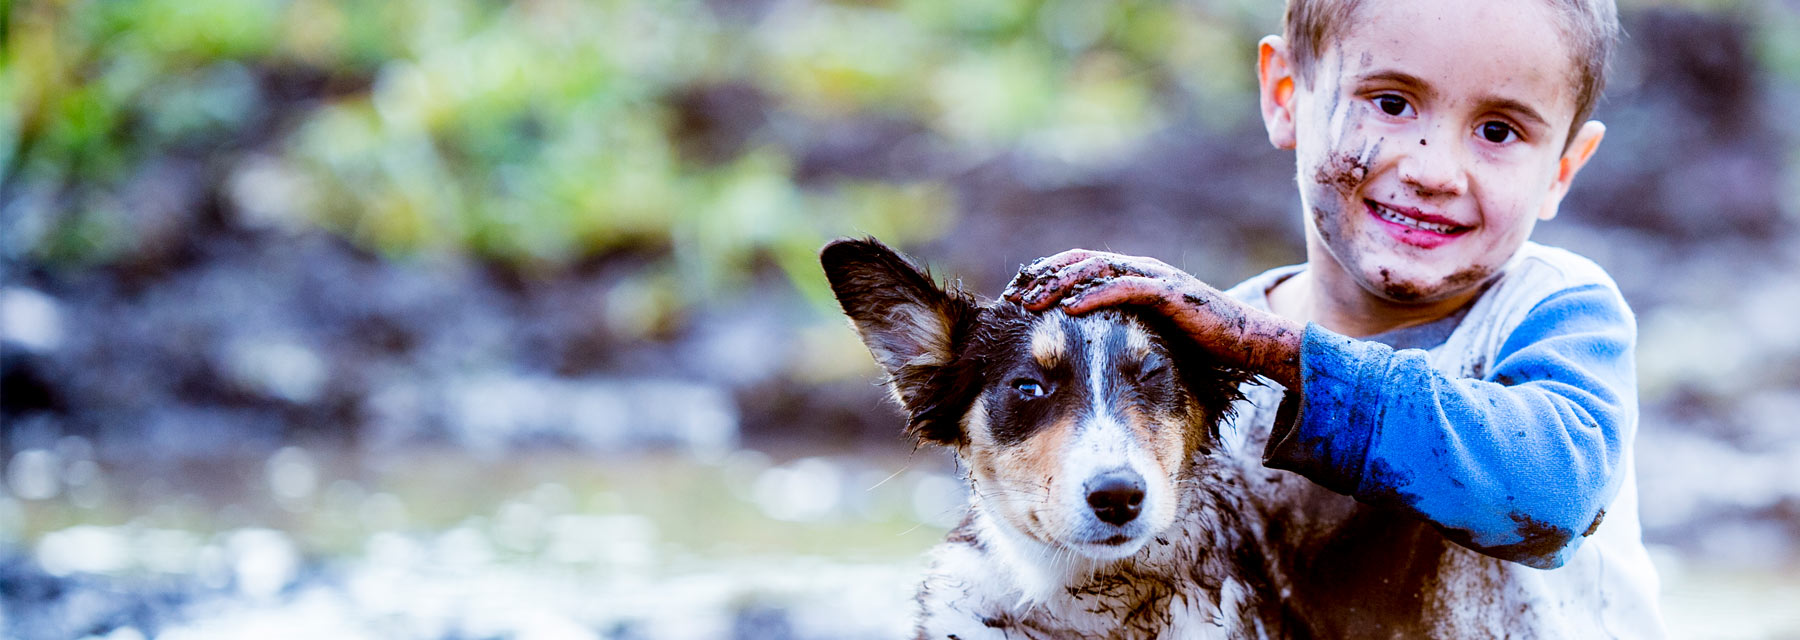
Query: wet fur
[1008, 572]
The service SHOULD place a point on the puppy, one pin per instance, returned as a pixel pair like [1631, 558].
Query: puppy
[1101, 505]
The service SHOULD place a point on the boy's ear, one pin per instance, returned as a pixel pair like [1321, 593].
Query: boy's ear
[1275, 82]
[1580, 149]
[914, 328]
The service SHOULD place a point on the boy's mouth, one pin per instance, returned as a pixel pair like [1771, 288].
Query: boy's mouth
[1414, 219]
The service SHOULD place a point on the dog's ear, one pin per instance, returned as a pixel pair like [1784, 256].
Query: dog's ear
[914, 328]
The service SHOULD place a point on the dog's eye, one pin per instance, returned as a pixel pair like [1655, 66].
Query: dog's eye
[1030, 388]
[1152, 368]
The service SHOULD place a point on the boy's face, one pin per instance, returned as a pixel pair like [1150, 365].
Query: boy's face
[1429, 141]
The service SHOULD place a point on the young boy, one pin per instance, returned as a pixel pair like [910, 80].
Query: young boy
[1459, 382]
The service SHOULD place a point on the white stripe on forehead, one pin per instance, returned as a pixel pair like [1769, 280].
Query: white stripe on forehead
[1094, 330]
[1104, 442]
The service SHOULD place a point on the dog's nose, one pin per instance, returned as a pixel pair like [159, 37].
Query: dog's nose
[1116, 496]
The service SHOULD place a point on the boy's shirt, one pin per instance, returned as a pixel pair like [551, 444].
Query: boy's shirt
[1507, 425]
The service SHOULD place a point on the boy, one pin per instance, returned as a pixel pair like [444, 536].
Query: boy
[1463, 385]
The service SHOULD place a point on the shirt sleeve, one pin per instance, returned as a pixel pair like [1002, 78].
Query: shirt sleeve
[1519, 466]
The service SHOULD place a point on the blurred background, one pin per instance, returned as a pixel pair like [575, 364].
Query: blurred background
[472, 319]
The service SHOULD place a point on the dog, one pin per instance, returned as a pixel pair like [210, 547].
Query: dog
[1102, 504]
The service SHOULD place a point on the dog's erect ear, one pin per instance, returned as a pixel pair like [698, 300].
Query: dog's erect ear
[914, 328]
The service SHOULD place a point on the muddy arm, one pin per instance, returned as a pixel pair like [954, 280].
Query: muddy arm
[1519, 465]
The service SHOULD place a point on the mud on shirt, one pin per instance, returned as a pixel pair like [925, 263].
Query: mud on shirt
[1508, 426]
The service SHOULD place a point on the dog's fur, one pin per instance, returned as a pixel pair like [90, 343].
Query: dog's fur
[1041, 408]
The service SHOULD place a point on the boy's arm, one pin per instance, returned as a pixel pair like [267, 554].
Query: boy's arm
[1518, 466]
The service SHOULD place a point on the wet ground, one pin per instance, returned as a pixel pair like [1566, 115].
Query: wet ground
[550, 547]
[441, 546]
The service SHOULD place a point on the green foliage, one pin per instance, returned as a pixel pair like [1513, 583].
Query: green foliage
[547, 132]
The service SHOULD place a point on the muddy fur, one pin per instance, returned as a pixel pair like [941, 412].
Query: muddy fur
[1036, 424]
[1207, 576]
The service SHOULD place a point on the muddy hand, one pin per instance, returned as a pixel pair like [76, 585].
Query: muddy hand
[1246, 337]
[1042, 284]
[1040, 268]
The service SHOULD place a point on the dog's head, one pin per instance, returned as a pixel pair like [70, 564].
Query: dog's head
[1076, 430]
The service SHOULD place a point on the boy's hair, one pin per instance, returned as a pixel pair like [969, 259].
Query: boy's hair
[1592, 27]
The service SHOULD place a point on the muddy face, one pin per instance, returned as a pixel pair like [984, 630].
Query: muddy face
[1081, 432]
[1426, 156]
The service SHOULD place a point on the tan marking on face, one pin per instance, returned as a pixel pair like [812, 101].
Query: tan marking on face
[1018, 482]
[975, 431]
[1048, 342]
[1137, 339]
[1167, 440]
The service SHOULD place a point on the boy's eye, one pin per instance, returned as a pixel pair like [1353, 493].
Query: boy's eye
[1030, 388]
[1392, 105]
[1497, 132]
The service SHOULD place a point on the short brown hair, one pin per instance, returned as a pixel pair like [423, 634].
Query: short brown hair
[1592, 27]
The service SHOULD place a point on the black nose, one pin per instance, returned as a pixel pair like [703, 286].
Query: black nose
[1116, 496]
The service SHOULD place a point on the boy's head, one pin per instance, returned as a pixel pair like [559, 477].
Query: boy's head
[1431, 135]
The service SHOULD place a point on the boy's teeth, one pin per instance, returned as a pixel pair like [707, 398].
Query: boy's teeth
[1392, 216]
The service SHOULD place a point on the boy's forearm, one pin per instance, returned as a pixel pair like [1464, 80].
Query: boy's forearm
[1257, 341]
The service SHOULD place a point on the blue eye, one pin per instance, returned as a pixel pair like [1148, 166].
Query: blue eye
[1030, 388]
[1393, 105]
[1498, 132]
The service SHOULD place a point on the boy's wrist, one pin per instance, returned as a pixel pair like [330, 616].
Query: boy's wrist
[1255, 340]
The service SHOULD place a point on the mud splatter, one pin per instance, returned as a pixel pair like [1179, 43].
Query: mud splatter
[1595, 525]
[1345, 171]
[1318, 218]
[1457, 282]
[1470, 276]
[1537, 545]
[1384, 478]
[1400, 291]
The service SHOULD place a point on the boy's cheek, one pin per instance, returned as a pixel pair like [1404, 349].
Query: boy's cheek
[1341, 157]
[1345, 168]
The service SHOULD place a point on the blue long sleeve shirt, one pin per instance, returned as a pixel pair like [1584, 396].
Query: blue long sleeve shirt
[1508, 427]
[1519, 465]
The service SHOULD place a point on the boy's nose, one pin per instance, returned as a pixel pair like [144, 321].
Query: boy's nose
[1431, 167]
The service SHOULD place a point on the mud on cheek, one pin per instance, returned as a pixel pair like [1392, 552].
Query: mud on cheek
[1342, 171]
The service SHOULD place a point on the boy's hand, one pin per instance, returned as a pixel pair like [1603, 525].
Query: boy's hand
[1082, 281]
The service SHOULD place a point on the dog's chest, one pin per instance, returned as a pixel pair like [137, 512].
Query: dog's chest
[1180, 586]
